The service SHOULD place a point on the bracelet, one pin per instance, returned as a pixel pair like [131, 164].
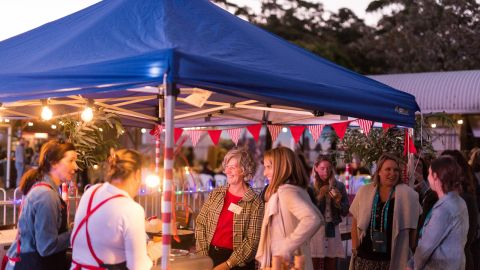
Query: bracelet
[228, 264]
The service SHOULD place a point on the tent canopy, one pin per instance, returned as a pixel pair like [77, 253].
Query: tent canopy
[118, 46]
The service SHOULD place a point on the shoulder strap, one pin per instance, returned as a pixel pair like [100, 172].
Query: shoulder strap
[17, 257]
[84, 221]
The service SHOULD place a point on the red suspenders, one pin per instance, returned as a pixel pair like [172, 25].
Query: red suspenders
[17, 258]
[84, 221]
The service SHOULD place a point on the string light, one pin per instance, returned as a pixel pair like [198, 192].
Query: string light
[47, 114]
[284, 130]
[433, 125]
[143, 130]
[87, 114]
[459, 121]
[54, 126]
[30, 124]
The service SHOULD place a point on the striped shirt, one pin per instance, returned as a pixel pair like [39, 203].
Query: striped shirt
[246, 225]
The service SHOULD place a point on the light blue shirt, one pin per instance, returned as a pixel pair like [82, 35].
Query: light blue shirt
[444, 236]
[40, 221]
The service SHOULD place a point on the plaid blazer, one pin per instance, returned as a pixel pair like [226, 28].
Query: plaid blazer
[246, 225]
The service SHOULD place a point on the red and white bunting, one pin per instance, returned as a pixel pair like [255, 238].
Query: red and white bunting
[235, 134]
[177, 133]
[387, 126]
[365, 125]
[297, 132]
[340, 128]
[156, 131]
[195, 135]
[274, 131]
[316, 131]
[255, 131]
[215, 135]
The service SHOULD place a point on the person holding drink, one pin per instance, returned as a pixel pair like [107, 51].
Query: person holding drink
[332, 201]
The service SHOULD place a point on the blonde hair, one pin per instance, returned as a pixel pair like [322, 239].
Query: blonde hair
[287, 169]
[122, 163]
[383, 158]
[245, 161]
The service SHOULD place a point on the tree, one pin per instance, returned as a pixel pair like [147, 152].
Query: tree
[423, 35]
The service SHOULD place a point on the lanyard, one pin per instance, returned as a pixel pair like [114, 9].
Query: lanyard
[384, 217]
[427, 218]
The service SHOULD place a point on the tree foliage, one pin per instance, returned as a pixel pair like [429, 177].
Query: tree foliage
[411, 36]
[93, 139]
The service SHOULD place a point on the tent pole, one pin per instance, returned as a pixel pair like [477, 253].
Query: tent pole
[9, 156]
[167, 172]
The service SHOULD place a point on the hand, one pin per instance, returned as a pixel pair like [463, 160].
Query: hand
[336, 195]
[222, 266]
[323, 191]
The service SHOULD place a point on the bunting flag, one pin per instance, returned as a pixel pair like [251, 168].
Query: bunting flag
[215, 135]
[297, 132]
[156, 131]
[274, 131]
[340, 128]
[366, 125]
[235, 134]
[386, 126]
[177, 133]
[409, 145]
[316, 131]
[195, 135]
[255, 131]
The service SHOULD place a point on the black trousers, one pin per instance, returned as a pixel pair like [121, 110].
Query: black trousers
[220, 255]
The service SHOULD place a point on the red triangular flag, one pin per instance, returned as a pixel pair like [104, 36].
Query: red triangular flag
[316, 131]
[255, 131]
[386, 126]
[340, 128]
[177, 133]
[156, 131]
[195, 135]
[235, 134]
[297, 132]
[274, 131]
[409, 145]
[365, 125]
[215, 135]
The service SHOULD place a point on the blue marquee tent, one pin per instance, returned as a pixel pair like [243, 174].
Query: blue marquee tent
[118, 44]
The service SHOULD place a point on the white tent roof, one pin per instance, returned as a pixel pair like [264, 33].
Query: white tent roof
[451, 92]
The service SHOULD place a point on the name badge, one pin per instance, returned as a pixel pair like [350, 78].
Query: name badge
[235, 208]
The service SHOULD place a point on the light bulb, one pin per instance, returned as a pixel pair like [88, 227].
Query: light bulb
[433, 125]
[87, 114]
[54, 126]
[143, 130]
[459, 121]
[7, 120]
[47, 114]
[284, 129]
[152, 180]
[30, 124]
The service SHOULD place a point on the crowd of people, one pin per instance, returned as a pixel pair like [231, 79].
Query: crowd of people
[293, 222]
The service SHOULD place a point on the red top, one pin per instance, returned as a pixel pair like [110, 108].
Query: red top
[223, 236]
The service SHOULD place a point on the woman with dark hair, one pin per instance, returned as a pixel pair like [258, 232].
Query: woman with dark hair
[43, 236]
[385, 217]
[427, 197]
[228, 226]
[332, 201]
[468, 194]
[444, 233]
[291, 218]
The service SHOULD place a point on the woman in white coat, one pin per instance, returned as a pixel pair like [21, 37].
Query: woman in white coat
[291, 218]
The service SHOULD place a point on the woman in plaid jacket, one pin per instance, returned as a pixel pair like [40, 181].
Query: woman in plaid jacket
[228, 225]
